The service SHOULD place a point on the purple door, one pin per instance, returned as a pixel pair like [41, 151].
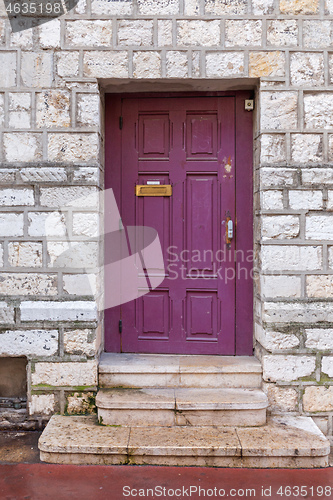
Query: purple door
[187, 143]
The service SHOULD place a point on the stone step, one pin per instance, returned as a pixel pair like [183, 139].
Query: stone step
[169, 370]
[182, 406]
[289, 442]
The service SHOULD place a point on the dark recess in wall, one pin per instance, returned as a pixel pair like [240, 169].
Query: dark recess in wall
[13, 377]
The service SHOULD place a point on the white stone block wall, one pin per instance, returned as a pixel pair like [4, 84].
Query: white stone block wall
[51, 118]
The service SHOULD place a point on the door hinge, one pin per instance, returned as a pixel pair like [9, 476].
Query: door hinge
[120, 122]
[120, 326]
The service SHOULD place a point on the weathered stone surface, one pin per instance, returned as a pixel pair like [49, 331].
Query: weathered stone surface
[319, 338]
[88, 110]
[80, 342]
[67, 63]
[164, 33]
[271, 200]
[176, 64]
[305, 200]
[109, 7]
[16, 197]
[11, 224]
[22, 39]
[286, 368]
[267, 64]
[105, 64]
[281, 286]
[49, 34]
[53, 109]
[65, 374]
[279, 110]
[280, 227]
[233, 7]
[86, 175]
[300, 312]
[317, 176]
[281, 399]
[317, 34]
[326, 172]
[85, 224]
[69, 196]
[79, 284]
[25, 254]
[224, 64]
[273, 148]
[30, 343]
[275, 341]
[147, 64]
[37, 69]
[205, 33]
[7, 176]
[40, 174]
[263, 7]
[83, 33]
[306, 69]
[306, 148]
[319, 227]
[42, 404]
[318, 110]
[192, 7]
[22, 146]
[46, 224]
[291, 258]
[77, 255]
[73, 147]
[58, 311]
[2, 110]
[282, 32]
[299, 6]
[19, 110]
[6, 313]
[243, 32]
[28, 284]
[320, 286]
[327, 365]
[163, 7]
[318, 398]
[81, 403]
[272, 177]
[139, 32]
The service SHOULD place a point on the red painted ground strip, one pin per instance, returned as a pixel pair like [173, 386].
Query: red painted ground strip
[60, 482]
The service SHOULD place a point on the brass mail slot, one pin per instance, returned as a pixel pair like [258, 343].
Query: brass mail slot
[158, 190]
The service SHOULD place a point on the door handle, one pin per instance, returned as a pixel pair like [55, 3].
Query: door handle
[229, 227]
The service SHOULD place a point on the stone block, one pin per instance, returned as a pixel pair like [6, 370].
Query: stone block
[306, 69]
[176, 64]
[16, 197]
[81, 403]
[318, 398]
[291, 258]
[275, 341]
[138, 32]
[53, 109]
[160, 7]
[69, 196]
[19, 110]
[68, 63]
[287, 368]
[224, 64]
[297, 7]
[330, 156]
[58, 311]
[88, 110]
[273, 177]
[79, 284]
[281, 399]
[85, 224]
[319, 227]
[279, 227]
[46, 224]
[263, 7]
[1, 255]
[83, 33]
[80, 342]
[49, 34]
[271, 200]
[75, 374]
[41, 174]
[73, 147]
[164, 33]
[6, 313]
[221, 7]
[77, 255]
[319, 338]
[86, 174]
[281, 286]
[37, 69]
[28, 284]
[317, 176]
[196, 64]
[2, 29]
[30, 343]
[327, 365]
[317, 34]
[23, 146]
[330, 257]
[2, 110]
[147, 64]
[305, 200]
[320, 286]
[11, 224]
[306, 148]
[21, 39]
[42, 404]
[25, 254]
[192, 7]
[270, 63]
[198, 33]
[105, 64]
[297, 312]
[282, 33]
[278, 110]
[243, 32]
[110, 7]
[330, 63]
[318, 110]
[273, 148]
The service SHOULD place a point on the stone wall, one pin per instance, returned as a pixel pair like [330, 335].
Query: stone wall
[52, 154]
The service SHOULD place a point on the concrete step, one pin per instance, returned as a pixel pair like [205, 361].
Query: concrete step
[189, 406]
[289, 442]
[169, 370]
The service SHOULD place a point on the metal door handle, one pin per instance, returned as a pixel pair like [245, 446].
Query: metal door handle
[230, 229]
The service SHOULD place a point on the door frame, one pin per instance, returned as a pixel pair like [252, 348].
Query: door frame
[244, 203]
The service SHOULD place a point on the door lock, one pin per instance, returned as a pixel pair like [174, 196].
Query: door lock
[229, 230]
